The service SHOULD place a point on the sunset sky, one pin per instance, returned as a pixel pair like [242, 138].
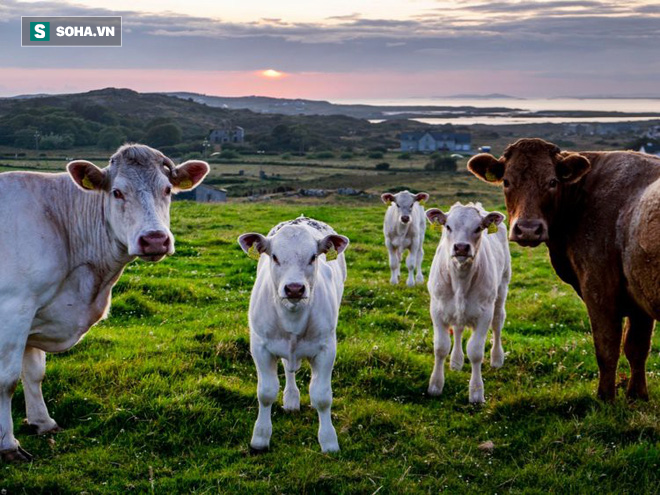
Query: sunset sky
[347, 49]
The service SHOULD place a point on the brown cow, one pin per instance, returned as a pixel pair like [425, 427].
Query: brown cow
[599, 214]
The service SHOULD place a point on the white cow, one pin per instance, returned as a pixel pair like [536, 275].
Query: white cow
[468, 284]
[404, 228]
[293, 315]
[64, 241]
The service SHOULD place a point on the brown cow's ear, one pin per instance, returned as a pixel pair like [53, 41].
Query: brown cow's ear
[434, 215]
[86, 175]
[189, 175]
[486, 167]
[572, 168]
[387, 198]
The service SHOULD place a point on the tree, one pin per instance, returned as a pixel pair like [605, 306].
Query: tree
[441, 163]
[163, 135]
[111, 138]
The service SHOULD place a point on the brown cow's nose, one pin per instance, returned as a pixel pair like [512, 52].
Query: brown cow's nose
[529, 232]
[156, 242]
[294, 291]
[405, 219]
[461, 249]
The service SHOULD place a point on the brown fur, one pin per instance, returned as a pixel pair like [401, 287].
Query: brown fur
[603, 234]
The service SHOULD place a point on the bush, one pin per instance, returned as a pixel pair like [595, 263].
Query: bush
[324, 155]
[163, 135]
[111, 138]
[286, 156]
[229, 155]
[346, 156]
[404, 156]
[375, 155]
[441, 163]
[56, 142]
[382, 166]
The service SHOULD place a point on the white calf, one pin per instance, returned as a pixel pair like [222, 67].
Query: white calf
[404, 228]
[468, 284]
[293, 315]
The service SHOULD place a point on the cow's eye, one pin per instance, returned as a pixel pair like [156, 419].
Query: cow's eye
[478, 230]
[448, 228]
[312, 259]
[277, 262]
[506, 183]
[168, 191]
[553, 183]
[117, 194]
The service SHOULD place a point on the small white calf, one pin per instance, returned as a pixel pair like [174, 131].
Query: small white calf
[404, 228]
[468, 284]
[293, 315]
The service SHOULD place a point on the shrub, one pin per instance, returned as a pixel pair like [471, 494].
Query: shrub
[375, 155]
[382, 166]
[229, 155]
[346, 156]
[404, 156]
[441, 163]
[324, 155]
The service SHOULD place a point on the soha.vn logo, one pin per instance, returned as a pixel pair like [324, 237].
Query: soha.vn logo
[40, 31]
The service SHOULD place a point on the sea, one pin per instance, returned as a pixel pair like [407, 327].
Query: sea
[626, 105]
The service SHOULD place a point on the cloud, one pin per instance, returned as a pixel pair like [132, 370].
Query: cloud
[580, 37]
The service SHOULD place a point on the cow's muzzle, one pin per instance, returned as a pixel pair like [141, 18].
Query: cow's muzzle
[405, 218]
[529, 233]
[154, 245]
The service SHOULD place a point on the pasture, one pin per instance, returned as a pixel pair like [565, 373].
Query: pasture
[161, 396]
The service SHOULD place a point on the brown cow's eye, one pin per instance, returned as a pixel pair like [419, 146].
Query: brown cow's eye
[506, 183]
[117, 194]
[277, 262]
[553, 183]
[168, 191]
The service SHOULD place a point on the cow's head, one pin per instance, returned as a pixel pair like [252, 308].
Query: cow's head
[534, 175]
[464, 227]
[137, 188]
[293, 266]
[404, 201]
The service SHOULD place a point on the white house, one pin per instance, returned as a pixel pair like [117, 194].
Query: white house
[234, 134]
[428, 141]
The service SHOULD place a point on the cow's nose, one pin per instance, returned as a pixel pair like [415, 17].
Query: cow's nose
[461, 249]
[405, 219]
[156, 242]
[294, 291]
[530, 232]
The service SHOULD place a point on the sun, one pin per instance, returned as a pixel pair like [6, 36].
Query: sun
[271, 74]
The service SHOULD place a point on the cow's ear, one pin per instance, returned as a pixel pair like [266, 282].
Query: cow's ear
[254, 244]
[572, 167]
[333, 245]
[491, 221]
[487, 167]
[387, 198]
[422, 197]
[189, 175]
[87, 176]
[435, 216]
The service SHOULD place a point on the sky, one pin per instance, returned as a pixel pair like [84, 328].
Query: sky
[341, 49]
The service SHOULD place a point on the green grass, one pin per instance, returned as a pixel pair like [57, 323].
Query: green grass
[161, 397]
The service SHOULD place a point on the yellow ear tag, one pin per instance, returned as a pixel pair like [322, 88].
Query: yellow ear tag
[185, 184]
[492, 228]
[437, 227]
[422, 201]
[331, 254]
[86, 183]
[490, 176]
[253, 252]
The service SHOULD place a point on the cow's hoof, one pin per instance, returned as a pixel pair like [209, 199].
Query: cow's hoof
[43, 429]
[420, 280]
[434, 390]
[258, 451]
[410, 283]
[330, 448]
[477, 396]
[291, 408]
[635, 394]
[18, 455]
[496, 361]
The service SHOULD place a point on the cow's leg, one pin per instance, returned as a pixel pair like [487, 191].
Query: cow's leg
[420, 257]
[441, 346]
[637, 343]
[34, 370]
[291, 392]
[499, 316]
[606, 329]
[395, 263]
[320, 395]
[16, 319]
[475, 352]
[457, 357]
[411, 263]
[267, 388]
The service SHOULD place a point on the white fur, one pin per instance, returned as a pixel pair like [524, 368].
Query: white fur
[400, 236]
[293, 330]
[468, 292]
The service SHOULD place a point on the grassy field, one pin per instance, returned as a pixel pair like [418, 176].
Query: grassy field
[161, 397]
